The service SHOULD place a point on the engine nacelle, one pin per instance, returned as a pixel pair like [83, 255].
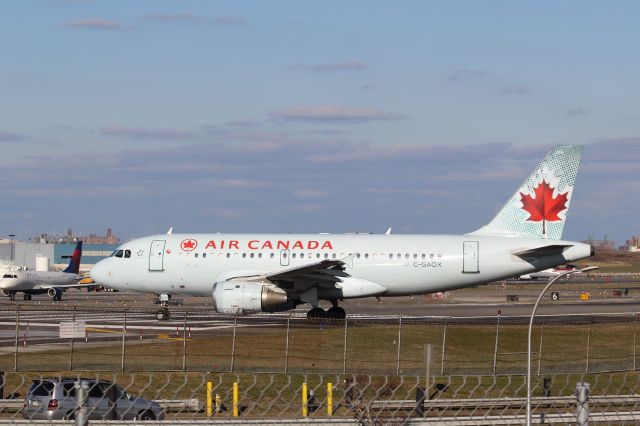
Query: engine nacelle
[55, 293]
[4, 293]
[239, 297]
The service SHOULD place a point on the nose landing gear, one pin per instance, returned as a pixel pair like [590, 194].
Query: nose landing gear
[163, 314]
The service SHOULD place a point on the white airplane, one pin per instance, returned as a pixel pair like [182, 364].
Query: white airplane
[248, 273]
[38, 282]
[550, 273]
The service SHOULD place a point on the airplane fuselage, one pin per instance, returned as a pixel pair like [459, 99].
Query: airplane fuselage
[25, 281]
[398, 265]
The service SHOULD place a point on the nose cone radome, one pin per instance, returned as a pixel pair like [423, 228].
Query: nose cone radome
[99, 273]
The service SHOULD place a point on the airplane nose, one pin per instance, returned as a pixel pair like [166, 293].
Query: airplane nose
[99, 273]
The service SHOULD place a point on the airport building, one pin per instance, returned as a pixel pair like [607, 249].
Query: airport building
[53, 252]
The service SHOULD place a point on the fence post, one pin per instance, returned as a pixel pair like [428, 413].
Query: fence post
[15, 354]
[184, 342]
[399, 340]
[233, 343]
[540, 348]
[586, 370]
[286, 346]
[444, 343]
[495, 348]
[582, 403]
[635, 329]
[81, 411]
[72, 339]
[344, 355]
[124, 337]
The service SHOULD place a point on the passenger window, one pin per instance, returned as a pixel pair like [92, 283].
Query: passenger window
[399, 256]
[95, 391]
[326, 255]
[127, 254]
[390, 255]
[272, 255]
[244, 254]
[301, 255]
[195, 255]
[406, 256]
[333, 255]
[415, 256]
[424, 255]
[228, 254]
[204, 254]
[358, 256]
[293, 255]
[431, 256]
[251, 255]
[366, 255]
[259, 254]
[119, 253]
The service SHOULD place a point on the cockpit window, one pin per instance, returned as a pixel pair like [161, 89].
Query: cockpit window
[127, 254]
[9, 276]
[118, 253]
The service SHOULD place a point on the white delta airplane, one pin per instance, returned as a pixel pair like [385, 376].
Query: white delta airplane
[249, 273]
[37, 282]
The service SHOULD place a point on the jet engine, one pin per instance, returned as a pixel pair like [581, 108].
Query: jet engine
[55, 293]
[4, 293]
[239, 297]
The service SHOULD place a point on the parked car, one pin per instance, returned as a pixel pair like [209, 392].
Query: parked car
[55, 399]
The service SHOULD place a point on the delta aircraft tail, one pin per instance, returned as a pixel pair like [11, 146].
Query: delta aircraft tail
[74, 263]
[538, 209]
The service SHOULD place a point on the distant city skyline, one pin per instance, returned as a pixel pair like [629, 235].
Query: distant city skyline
[241, 116]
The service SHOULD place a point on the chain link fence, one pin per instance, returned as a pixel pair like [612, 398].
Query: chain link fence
[610, 398]
[197, 340]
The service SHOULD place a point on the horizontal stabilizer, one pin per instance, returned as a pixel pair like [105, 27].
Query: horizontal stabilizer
[550, 250]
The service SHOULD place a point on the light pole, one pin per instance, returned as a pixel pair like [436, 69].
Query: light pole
[533, 314]
[12, 246]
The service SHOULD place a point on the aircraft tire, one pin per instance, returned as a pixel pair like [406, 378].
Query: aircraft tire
[316, 314]
[12, 296]
[163, 315]
[27, 297]
[336, 312]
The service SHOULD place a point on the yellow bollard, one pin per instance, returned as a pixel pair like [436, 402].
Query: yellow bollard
[329, 399]
[305, 401]
[235, 399]
[209, 399]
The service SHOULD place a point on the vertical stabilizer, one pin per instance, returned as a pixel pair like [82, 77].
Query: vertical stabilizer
[539, 207]
[74, 263]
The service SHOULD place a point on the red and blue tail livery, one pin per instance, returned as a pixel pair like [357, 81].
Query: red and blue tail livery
[74, 264]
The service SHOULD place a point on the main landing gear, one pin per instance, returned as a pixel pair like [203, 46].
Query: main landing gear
[27, 297]
[334, 313]
[163, 314]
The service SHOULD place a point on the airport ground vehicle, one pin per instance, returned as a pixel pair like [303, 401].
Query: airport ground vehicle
[55, 399]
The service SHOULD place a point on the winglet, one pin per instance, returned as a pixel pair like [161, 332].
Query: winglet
[388, 231]
[170, 231]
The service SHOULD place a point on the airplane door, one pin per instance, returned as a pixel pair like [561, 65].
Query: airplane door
[470, 258]
[284, 257]
[156, 255]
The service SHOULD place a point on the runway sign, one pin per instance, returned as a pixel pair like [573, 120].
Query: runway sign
[555, 295]
[73, 330]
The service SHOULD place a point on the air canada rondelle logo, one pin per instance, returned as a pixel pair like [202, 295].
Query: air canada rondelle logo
[189, 244]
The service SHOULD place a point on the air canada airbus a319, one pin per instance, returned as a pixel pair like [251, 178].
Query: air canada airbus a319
[248, 273]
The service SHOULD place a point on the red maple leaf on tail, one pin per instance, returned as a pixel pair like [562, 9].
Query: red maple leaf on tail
[544, 207]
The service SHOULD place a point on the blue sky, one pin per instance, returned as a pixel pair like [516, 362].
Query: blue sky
[314, 116]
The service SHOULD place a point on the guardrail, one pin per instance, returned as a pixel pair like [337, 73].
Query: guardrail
[170, 405]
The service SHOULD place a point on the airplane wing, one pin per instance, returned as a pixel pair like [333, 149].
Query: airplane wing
[82, 282]
[550, 250]
[325, 273]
